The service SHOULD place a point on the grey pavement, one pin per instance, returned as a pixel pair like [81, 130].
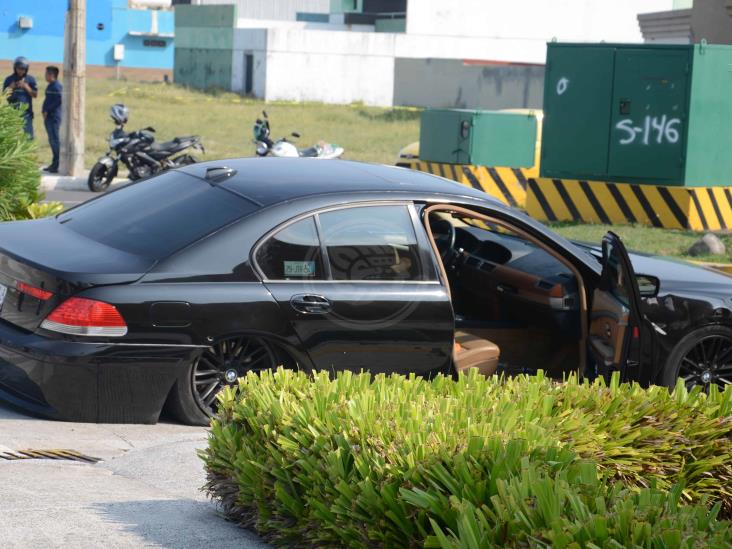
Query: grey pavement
[145, 492]
[54, 182]
[70, 191]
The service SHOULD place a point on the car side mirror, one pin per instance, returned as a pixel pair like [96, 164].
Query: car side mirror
[648, 285]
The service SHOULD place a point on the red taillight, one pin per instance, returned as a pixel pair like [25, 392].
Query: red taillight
[636, 332]
[81, 316]
[39, 293]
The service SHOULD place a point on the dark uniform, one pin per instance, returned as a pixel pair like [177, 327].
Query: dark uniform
[52, 121]
[20, 97]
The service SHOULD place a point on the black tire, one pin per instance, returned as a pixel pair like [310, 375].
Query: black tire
[702, 357]
[100, 177]
[192, 399]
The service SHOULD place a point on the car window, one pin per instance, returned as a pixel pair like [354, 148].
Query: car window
[371, 243]
[158, 216]
[292, 253]
[615, 282]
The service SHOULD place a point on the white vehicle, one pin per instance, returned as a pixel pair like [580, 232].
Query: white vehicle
[287, 149]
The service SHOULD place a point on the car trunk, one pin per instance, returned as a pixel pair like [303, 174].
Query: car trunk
[48, 256]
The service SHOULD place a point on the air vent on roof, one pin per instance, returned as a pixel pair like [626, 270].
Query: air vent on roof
[219, 174]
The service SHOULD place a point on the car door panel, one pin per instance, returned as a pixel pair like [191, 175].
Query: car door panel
[355, 285]
[616, 319]
[379, 327]
[608, 327]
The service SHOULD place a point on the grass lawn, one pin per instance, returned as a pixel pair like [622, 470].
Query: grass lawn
[224, 121]
[664, 242]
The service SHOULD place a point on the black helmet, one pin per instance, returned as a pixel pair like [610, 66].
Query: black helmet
[119, 113]
[21, 63]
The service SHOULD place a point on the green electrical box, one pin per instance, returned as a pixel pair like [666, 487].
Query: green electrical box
[637, 113]
[484, 138]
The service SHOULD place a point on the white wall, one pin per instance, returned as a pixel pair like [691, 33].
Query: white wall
[330, 66]
[254, 42]
[516, 30]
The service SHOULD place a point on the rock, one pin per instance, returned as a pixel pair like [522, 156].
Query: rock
[709, 244]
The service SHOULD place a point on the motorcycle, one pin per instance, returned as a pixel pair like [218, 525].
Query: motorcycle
[142, 156]
[286, 149]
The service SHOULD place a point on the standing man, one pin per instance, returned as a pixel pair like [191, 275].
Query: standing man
[52, 115]
[23, 90]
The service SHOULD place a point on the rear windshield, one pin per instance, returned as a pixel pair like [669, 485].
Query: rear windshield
[156, 217]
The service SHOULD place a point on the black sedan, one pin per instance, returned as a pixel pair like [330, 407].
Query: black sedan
[164, 291]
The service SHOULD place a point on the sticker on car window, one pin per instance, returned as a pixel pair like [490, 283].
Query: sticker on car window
[299, 268]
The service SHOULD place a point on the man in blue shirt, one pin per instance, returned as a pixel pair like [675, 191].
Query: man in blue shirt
[23, 90]
[52, 115]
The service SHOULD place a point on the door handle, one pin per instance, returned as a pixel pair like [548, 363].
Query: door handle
[310, 304]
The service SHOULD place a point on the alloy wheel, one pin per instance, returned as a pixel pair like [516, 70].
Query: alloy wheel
[708, 362]
[224, 363]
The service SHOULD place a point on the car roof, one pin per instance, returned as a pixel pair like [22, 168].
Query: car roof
[268, 181]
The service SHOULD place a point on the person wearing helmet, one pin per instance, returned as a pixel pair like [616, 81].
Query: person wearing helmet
[119, 113]
[23, 90]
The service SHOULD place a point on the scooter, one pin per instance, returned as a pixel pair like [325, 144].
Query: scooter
[286, 149]
[142, 156]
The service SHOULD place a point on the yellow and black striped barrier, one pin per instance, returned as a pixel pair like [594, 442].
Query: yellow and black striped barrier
[693, 208]
[698, 209]
[509, 185]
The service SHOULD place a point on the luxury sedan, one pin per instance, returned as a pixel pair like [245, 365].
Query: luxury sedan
[159, 294]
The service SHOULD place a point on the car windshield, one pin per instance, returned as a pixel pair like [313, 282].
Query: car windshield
[156, 217]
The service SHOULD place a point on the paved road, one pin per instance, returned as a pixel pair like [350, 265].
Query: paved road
[145, 492]
[70, 198]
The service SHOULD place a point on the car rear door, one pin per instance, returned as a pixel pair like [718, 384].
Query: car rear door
[360, 290]
[616, 322]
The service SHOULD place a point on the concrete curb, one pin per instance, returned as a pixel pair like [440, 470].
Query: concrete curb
[51, 182]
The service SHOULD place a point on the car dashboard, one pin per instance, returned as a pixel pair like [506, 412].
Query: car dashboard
[518, 270]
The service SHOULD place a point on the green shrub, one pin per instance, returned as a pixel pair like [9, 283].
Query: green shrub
[44, 209]
[395, 461]
[19, 175]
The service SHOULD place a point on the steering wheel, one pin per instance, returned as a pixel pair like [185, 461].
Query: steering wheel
[444, 234]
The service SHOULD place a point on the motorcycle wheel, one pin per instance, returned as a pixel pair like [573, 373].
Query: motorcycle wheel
[100, 177]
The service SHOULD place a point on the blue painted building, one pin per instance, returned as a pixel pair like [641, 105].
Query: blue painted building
[35, 29]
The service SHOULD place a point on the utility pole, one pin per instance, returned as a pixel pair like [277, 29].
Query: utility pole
[72, 126]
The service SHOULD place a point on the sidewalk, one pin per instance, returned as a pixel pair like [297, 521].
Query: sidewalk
[54, 182]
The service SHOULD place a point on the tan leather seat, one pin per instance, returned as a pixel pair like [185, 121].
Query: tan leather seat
[473, 352]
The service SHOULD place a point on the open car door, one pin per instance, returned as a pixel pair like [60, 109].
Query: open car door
[616, 322]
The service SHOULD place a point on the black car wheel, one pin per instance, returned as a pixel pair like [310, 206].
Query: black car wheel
[193, 401]
[704, 357]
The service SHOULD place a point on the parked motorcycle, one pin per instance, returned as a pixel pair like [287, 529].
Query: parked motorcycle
[139, 152]
[285, 148]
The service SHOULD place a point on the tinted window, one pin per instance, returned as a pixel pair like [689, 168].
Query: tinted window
[158, 216]
[371, 243]
[292, 253]
[615, 281]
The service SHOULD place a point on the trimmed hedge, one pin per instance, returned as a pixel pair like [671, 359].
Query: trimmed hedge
[19, 175]
[393, 461]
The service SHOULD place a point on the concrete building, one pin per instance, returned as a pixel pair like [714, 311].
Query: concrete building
[35, 29]
[689, 22]
[466, 53]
